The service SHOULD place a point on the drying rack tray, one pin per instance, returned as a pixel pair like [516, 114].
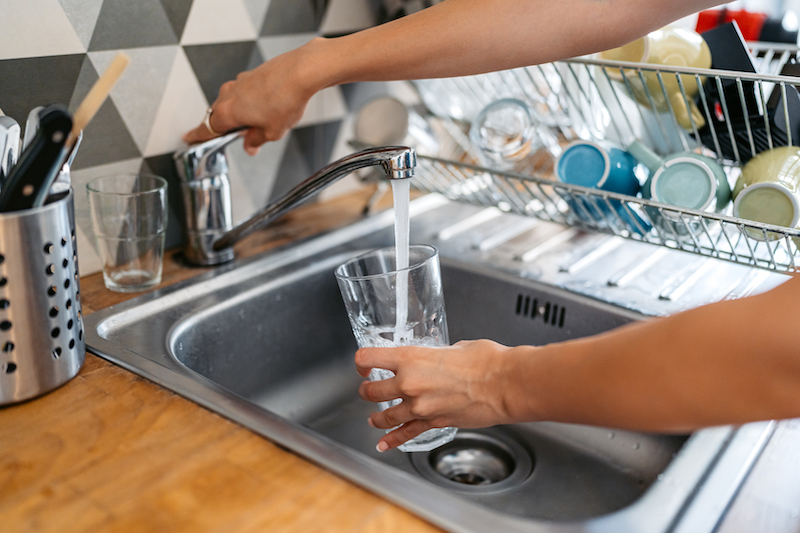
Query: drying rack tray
[585, 98]
[720, 236]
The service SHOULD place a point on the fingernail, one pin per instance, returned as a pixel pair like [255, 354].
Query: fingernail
[382, 447]
[369, 421]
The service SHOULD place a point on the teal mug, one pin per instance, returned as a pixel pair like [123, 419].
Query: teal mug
[686, 179]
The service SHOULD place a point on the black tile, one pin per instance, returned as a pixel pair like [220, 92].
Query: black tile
[105, 139]
[292, 16]
[27, 83]
[164, 166]
[126, 24]
[307, 151]
[214, 64]
[177, 12]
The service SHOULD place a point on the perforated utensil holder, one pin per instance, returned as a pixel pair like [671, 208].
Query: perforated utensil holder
[41, 325]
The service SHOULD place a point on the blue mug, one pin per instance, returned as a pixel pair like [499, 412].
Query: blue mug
[589, 164]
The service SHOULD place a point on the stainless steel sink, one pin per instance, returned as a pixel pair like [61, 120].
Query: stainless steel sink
[266, 342]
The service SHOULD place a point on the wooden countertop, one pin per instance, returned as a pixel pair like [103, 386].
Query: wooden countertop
[110, 451]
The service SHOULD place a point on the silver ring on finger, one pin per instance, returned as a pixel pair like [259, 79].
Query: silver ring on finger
[207, 123]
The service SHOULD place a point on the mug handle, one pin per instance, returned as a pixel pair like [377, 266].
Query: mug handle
[684, 112]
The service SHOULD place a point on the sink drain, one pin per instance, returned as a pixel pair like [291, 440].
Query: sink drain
[482, 465]
[473, 461]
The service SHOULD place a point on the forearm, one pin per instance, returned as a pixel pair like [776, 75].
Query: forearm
[461, 37]
[730, 362]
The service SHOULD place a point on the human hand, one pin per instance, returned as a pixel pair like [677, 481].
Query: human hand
[464, 385]
[268, 100]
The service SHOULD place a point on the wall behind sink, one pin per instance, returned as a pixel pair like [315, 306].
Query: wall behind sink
[51, 51]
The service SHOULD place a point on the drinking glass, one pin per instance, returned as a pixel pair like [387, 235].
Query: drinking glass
[397, 307]
[129, 217]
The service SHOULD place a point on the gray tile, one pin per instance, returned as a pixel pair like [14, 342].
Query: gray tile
[82, 14]
[291, 16]
[86, 78]
[214, 64]
[127, 24]
[177, 12]
[308, 150]
[257, 10]
[27, 83]
[105, 139]
[139, 90]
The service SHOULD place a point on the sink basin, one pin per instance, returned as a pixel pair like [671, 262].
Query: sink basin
[267, 343]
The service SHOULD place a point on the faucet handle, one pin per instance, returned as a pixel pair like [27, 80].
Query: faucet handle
[206, 159]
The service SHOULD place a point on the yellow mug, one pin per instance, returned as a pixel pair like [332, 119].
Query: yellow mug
[672, 46]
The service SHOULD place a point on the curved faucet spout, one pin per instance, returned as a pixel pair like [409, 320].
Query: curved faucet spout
[398, 162]
[209, 233]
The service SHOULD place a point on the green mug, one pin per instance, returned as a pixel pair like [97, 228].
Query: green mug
[767, 190]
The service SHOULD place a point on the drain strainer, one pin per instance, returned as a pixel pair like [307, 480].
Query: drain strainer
[476, 462]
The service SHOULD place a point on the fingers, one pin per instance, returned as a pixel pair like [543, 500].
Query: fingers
[198, 135]
[406, 432]
[379, 391]
[369, 358]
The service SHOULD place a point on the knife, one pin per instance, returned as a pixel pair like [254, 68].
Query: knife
[9, 146]
[29, 181]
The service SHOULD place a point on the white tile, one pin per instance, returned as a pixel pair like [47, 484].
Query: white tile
[34, 28]
[138, 92]
[252, 178]
[83, 16]
[218, 21]
[325, 106]
[345, 16]
[182, 108]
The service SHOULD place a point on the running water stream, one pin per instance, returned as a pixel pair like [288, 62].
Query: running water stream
[400, 192]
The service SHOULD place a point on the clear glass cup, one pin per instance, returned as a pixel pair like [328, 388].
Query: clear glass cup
[507, 136]
[129, 218]
[372, 287]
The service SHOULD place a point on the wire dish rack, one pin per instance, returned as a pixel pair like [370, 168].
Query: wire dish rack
[740, 115]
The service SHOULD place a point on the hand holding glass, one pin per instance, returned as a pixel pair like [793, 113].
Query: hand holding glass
[389, 307]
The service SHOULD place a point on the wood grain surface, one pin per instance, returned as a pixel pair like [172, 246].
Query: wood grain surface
[112, 452]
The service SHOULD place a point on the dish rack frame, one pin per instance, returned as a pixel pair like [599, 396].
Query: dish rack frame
[580, 99]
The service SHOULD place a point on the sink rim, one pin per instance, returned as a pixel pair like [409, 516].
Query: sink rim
[691, 468]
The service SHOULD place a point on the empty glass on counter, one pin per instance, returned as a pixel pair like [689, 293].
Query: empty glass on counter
[129, 217]
[507, 136]
[389, 307]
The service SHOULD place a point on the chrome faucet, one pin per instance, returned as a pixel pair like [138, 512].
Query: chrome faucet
[203, 170]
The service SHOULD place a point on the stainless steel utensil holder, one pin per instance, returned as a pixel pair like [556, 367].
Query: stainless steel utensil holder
[593, 99]
[41, 325]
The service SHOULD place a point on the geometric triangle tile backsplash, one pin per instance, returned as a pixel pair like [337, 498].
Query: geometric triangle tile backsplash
[182, 51]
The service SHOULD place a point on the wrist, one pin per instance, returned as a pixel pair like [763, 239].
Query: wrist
[319, 67]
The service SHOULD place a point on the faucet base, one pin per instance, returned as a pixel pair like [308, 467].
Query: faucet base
[199, 249]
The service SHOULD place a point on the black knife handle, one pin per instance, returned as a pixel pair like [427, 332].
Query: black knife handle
[29, 181]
